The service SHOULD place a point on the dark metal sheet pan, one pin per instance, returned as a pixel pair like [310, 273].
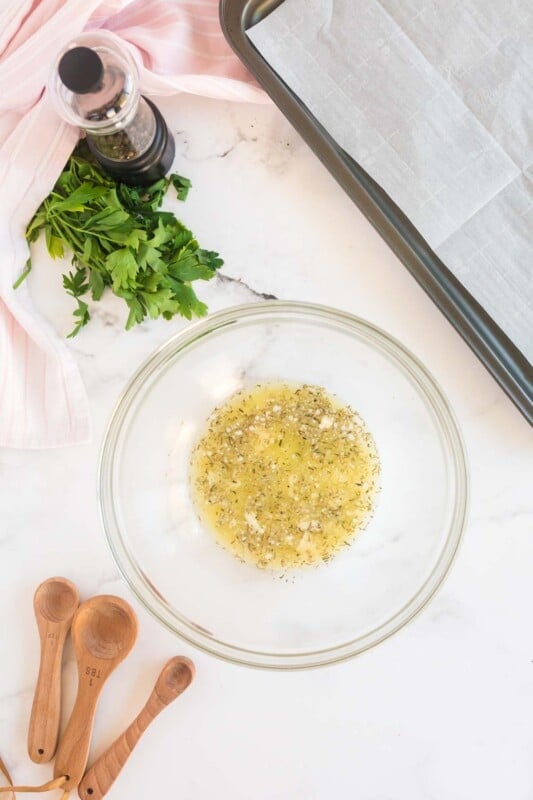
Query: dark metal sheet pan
[496, 351]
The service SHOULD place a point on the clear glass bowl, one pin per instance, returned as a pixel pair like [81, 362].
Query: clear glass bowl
[312, 616]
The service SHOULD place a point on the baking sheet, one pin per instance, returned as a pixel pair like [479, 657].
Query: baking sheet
[492, 346]
[439, 102]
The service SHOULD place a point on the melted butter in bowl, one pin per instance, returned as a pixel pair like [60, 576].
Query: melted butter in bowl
[284, 476]
[178, 529]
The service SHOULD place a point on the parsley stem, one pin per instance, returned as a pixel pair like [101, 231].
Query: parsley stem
[24, 274]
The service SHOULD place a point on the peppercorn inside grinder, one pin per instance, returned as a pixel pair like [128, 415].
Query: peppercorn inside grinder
[95, 85]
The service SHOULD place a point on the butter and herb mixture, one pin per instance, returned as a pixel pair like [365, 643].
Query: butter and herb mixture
[284, 475]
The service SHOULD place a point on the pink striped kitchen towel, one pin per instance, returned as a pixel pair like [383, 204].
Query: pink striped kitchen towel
[179, 48]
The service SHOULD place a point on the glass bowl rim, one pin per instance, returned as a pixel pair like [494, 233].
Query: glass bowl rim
[427, 388]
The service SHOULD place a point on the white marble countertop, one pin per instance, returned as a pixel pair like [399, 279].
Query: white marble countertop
[442, 711]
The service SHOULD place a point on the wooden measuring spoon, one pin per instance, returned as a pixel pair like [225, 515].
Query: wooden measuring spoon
[175, 677]
[103, 632]
[55, 603]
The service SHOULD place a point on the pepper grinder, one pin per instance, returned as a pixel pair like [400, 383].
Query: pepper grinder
[95, 85]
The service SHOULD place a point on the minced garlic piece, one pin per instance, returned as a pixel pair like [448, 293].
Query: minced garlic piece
[284, 475]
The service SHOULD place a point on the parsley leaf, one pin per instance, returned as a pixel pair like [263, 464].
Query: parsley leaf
[76, 286]
[181, 185]
[123, 268]
[122, 241]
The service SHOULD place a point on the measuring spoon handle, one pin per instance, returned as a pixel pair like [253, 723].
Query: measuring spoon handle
[103, 773]
[73, 750]
[46, 708]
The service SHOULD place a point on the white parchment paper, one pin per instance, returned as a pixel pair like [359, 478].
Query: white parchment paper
[434, 98]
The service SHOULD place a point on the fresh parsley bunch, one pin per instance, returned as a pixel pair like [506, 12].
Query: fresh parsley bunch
[119, 239]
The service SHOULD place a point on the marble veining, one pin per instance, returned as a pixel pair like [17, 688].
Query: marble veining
[442, 711]
[222, 278]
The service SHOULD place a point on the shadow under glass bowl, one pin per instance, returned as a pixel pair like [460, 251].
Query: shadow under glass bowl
[315, 615]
